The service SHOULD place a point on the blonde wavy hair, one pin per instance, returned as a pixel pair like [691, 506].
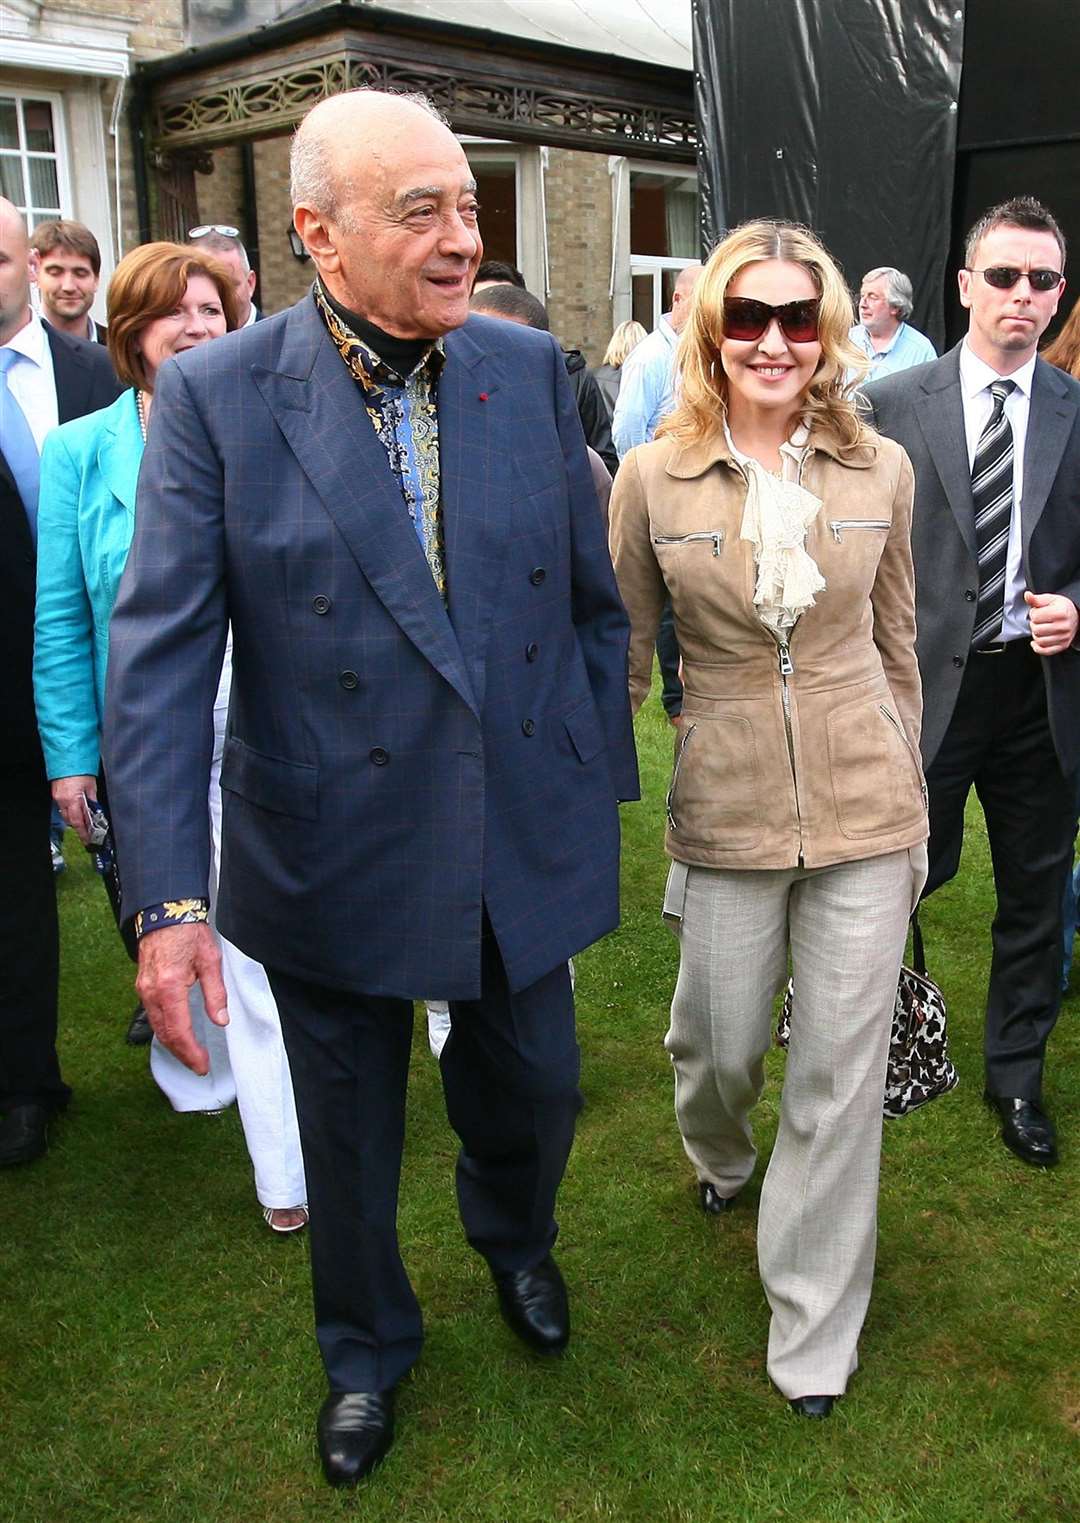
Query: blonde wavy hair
[700, 382]
[627, 336]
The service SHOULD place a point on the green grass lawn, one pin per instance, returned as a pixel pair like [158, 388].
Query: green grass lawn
[157, 1360]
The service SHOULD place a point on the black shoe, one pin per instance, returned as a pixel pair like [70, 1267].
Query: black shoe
[534, 1303]
[712, 1202]
[355, 1429]
[23, 1134]
[1025, 1129]
[140, 1031]
[812, 1406]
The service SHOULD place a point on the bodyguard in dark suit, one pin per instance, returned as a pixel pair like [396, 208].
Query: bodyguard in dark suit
[994, 436]
[429, 729]
[82, 380]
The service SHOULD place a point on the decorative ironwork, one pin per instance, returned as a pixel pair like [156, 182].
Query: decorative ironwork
[276, 101]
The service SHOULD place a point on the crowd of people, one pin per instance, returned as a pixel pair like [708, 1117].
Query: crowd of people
[327, 631]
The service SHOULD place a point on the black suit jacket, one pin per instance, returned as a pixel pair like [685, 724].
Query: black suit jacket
[85, 382]
[922, 409]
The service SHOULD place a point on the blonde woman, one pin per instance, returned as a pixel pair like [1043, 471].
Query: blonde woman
[779, 526]
[626, 337]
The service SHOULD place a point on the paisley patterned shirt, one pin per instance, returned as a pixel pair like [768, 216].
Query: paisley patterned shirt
[402, 413]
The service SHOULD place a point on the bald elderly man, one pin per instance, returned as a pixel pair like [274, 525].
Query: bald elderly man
[390, 502]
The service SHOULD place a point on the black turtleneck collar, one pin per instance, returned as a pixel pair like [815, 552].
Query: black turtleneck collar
[400, 354]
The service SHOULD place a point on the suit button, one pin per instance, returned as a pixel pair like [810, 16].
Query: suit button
[969, 595]
[321, 604]
[348, 680]
[378, 756]
[532, 650]
[537, 575]
[958, 661]
[528, 727]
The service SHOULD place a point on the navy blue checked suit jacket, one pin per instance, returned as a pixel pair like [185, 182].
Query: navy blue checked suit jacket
[392, 764]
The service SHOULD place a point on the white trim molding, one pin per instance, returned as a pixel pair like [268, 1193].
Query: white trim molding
[63, 41]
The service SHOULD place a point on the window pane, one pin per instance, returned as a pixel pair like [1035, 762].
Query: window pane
[11, 180]
[9, 123]
[44, 190]
[642, 300]
[496, 190]
[37, 115]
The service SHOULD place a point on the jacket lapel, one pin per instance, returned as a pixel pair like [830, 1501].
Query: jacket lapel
[1051, 417]
[120, 450]
[316, 405]
[72, 376]
[474, 463]
[940, 413]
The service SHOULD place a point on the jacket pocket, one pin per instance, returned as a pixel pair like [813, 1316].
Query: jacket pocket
[877, 780]
[715, 794]
[840, 525]
[585, 731]
[283, 787]
[702, 536]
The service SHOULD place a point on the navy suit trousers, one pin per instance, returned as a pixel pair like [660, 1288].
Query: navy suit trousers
[510, 1075]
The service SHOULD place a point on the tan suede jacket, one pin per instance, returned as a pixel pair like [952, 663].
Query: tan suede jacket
[806, 753]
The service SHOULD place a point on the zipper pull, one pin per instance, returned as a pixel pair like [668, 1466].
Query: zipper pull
[718, 542]
[835, 527]
[786, 667]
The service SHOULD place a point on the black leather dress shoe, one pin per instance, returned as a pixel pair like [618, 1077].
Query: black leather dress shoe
[1025, 1129]
[140, 1031]
[812, 1406]
[356, 1428]
[23, 1134]
[712, 1202]
[534, 1303]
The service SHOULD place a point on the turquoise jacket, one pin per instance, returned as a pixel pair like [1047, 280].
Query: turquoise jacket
[86, 518]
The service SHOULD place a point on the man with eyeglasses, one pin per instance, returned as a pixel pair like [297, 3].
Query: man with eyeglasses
[993, 433]
[883, 332]
[223, 241]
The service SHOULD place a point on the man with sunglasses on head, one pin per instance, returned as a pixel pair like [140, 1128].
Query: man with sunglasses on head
[993, 433]
[223, 241]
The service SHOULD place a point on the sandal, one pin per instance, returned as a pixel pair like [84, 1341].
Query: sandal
[272, 1215]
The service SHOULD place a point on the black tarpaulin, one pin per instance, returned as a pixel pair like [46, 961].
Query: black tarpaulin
[840, 114]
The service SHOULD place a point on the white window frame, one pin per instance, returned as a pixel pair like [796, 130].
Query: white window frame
[62, 156]
[625, 264]
[531, 230]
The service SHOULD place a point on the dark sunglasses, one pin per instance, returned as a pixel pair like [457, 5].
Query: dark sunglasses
[1005, 276]
[745, 319]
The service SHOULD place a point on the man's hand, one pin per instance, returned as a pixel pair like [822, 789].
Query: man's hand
[170, 961]
[1053, 620]
[67, 795]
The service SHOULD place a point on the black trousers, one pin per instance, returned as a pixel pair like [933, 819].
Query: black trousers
[29, 947]
[999, 741]
[510, 1072]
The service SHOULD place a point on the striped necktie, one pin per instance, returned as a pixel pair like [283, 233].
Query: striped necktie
[992, 493]
[17, 441]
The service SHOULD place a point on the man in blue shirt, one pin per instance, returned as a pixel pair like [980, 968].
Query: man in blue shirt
[883, 333]
[645, 391]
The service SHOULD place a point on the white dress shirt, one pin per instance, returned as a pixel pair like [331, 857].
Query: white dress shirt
[976, 378]
[31, 382]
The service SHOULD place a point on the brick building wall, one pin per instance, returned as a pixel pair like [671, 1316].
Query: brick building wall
[578, 196]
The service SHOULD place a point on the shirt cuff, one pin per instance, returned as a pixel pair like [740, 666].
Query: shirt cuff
[156, 917]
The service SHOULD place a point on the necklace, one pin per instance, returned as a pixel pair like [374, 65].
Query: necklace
[140, 407]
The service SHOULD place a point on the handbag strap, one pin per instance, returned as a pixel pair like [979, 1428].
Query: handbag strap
[918, 953]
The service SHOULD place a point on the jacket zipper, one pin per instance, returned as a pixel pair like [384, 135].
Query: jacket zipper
[716, 535]
[898, 727]
[836, 524]
[787, 669]
[675, 775]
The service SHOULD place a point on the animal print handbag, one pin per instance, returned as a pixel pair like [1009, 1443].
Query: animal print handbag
[919, 1068]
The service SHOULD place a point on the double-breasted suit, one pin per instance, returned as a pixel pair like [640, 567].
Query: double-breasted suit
[1008, 722]
[420, 799]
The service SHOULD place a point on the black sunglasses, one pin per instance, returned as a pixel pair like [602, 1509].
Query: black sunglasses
[1005, 276]
[745, 319]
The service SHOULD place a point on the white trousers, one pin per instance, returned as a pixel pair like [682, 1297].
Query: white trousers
[247, 1057]
[845, 927]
